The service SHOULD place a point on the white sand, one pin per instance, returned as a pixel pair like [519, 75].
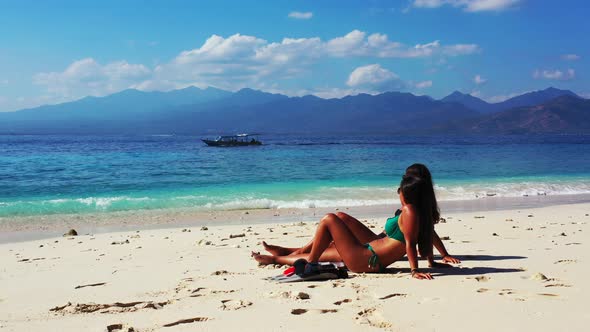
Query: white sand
[177, 278]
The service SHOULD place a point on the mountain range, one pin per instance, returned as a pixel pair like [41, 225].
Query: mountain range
[214, 111]
[527, 99]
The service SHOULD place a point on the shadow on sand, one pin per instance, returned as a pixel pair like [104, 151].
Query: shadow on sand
[467, 271]
[459, 271]
[487, 257]
[469, 258]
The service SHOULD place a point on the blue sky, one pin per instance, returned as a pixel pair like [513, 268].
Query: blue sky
[57, 51]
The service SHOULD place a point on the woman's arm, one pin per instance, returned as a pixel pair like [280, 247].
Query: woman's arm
[446, 257]
[410, 230]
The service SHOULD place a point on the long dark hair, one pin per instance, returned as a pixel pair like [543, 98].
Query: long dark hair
[421, 171]
[416, 192]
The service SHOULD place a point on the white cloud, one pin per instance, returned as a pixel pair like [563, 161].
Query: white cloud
[556, 74]
[570, 57]
[220, 49]
[479, 80]
[351, 43]
[460, 49]
[468, 5]
[301, 15]
[489, 5]
[235, 62]
[240, 61]
[370, 74]
[374, 78]
[423, 85]
[88, 77]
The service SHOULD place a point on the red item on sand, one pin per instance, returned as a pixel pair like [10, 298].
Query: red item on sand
[289, 271]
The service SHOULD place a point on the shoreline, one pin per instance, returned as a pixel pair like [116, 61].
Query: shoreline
[30, 228]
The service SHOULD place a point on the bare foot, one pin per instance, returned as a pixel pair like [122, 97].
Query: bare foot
[277, 250]
[263, 259]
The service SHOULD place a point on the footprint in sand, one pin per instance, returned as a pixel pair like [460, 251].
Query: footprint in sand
[338, 284]
[119, 328]
[479, 278]
[187, 321]
[91, 285]
[117, 307]
[372, 317]
[392, 295]
[202, 291]
[342, 301]
[558, 285]
[298, 311]
[234, 304]
[328, 311]
[321, 311]
[288, 295]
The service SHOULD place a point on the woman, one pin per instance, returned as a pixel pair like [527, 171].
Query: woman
[414, 227]
[364, 234]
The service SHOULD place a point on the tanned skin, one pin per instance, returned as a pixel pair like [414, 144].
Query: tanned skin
[340, 237]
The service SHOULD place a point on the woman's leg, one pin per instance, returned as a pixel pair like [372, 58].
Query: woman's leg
[352, 251]
[330, 255]
[363, 234]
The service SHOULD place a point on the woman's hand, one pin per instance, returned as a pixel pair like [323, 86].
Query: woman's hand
[421, 276]
[450, 259]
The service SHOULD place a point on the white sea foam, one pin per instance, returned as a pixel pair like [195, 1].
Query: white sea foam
[511, 189]
[282, 204]
[368, 196]
[105, 202]
[313, 198]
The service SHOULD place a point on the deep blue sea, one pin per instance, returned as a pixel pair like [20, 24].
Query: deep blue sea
[87, 174]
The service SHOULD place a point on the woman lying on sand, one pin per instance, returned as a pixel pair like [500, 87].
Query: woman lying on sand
[340, 237]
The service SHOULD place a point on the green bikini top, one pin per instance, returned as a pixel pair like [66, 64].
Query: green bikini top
[392, 229]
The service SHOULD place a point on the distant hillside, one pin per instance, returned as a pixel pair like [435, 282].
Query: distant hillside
[391, 112]
[535, 98]
[564, 114]
[471, 102]
[213, 111]
[91, 114]
[527, 99]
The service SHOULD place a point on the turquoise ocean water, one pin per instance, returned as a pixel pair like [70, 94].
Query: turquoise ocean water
[42, 175]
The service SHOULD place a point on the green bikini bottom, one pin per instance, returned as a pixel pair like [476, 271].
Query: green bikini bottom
[374, 259]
